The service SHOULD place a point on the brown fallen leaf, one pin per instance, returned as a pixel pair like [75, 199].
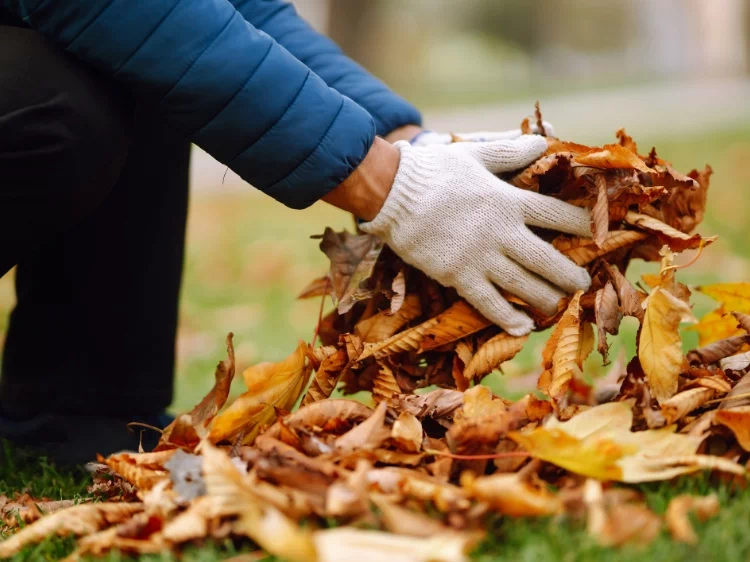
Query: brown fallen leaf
[620, 523]
[370, 434]
[585, 250]
[398, 286]
[25, 509]
[685, 402]
[327, 375]
[402, 521]
[608, 317]
[263, 523]
[438, 404]
[676, 240]
[456, 322]
[511, 495]
[346, 544]
[78, 520]
[676, 516]
[352, 258]
[718, 350]
[563, 356]
[734, 412]
[407, 432]
[383, 325]
[600, 212]
[495, 351]
[384, 385]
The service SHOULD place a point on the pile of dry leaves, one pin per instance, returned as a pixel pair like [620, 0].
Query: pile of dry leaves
[419, 475]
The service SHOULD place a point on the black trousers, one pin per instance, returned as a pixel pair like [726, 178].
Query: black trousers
[93, 204]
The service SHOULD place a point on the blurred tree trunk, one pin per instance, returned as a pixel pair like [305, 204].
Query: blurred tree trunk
[351, 24]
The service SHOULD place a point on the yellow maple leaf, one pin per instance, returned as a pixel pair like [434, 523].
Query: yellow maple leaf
[716, 325]
[735, 297]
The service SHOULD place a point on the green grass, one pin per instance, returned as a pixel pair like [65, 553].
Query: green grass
[248, 258]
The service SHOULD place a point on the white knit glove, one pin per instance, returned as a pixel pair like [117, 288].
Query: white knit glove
[426, 138]
[449, 216]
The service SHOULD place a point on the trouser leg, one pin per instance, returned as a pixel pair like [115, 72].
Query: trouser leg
[94, 327]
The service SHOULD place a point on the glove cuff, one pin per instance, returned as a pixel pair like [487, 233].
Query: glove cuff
[413, 179]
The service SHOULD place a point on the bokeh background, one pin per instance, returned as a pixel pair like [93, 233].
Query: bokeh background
[674, 73]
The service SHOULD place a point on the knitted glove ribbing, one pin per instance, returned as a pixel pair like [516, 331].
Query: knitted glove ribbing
[449, 216]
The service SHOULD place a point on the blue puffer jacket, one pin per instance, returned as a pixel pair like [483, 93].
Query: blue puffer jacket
[249, 82]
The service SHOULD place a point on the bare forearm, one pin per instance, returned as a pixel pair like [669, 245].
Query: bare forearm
[365, 190]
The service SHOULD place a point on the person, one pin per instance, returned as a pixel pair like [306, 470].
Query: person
[99, 101]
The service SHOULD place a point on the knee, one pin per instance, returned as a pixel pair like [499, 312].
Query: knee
[92, 149]
[64, 129]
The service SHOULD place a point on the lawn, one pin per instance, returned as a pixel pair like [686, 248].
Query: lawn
[247, 259]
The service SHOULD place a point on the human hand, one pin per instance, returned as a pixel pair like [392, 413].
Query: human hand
[449, 216]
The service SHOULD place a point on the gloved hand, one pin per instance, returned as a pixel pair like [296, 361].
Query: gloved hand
[449, 216]
[425, 138]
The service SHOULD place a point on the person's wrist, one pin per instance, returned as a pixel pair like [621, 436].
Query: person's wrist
[407, 133]
[367, 187]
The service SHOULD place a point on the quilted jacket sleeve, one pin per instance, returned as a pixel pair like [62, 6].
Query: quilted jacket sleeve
[227, 86]
[279, 19]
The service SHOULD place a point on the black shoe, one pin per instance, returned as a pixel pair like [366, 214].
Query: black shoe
[67, 439]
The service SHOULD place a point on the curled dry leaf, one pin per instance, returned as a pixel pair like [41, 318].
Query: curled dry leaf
[370, 434]
[269, 386]
[660, 346]
[677, 515]
[734, 412]
[384, 385]
[78, 520]
[685, 402]
[327, 375]
[438, 404]
[402, 521]
[585, 250]
[563, 356]
[600, 212]
[608, 316]
[346, 544]
[353, 258]
[398, 286]
[676, 240]
[510, 494]
[188, 429]
[718, 350]
[407, 433]
[263, 523]
[458, 321]
[615, 524]
[383, 325]
[495, 351]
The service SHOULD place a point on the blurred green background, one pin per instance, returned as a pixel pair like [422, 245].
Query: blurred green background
[673, 72]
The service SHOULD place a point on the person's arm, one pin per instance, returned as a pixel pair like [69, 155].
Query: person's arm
[279, 19]
[227, 86]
